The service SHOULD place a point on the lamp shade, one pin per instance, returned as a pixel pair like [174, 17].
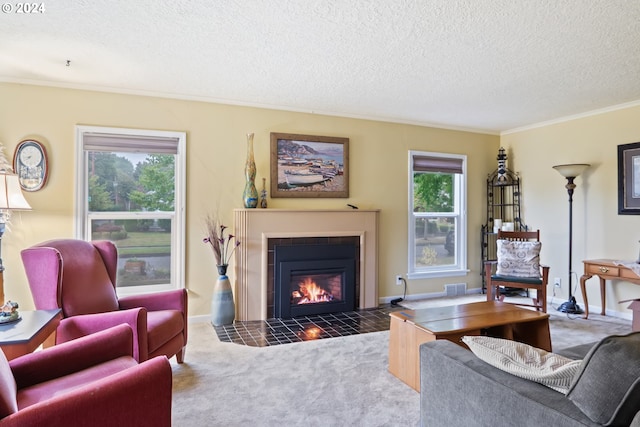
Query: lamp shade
[571, 171]
[11, 194]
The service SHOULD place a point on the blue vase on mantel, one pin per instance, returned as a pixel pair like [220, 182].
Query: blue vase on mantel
[223, 309]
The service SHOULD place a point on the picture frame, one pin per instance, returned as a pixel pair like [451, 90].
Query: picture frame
[309, 166]
[629, 179]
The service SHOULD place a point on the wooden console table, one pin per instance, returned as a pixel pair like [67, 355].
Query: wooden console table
[604, 269]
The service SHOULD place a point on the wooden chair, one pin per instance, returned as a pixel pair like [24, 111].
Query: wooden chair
[495, 279]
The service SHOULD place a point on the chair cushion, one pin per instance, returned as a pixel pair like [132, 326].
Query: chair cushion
[163, 325]
[607, 387]
[518, 259]
[8, 388]
[525, 361]
[48, 389]
[512, 279]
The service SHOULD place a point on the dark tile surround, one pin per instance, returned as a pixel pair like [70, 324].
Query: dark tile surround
[263, 333]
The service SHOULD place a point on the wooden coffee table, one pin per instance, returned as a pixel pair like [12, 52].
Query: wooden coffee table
[410, 328]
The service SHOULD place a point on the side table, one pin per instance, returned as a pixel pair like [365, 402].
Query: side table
[605, 269]
[25, 335]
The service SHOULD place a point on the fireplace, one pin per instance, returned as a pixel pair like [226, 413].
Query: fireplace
[260, 229]
[314, 279]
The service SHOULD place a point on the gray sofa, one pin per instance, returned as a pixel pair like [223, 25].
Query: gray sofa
[459, 389]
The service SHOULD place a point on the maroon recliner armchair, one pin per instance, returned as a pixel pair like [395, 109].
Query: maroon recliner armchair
[92, 381]
[80, 278]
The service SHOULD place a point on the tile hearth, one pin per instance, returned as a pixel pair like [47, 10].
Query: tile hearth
[263, 333]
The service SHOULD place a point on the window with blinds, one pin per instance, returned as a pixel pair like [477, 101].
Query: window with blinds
[131, 191]
[437, 209]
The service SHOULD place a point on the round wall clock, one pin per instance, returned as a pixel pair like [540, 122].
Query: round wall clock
[31, 165]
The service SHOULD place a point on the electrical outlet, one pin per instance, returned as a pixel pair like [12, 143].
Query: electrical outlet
[556, 282]
[399, 279]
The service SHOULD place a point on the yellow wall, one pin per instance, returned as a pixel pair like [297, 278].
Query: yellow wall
[216, 149]
[598, 230]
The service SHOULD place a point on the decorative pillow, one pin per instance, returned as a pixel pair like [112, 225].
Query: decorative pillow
[525, 361]
[607, 387]
[518, 259]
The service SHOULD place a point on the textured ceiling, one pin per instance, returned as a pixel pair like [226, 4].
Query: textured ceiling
[488, 65]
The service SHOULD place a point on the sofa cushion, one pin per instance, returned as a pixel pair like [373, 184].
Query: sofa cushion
[607, 387]
[518, 259]
[525, 361]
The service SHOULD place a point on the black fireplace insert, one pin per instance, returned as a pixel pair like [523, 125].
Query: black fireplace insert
[314, 279]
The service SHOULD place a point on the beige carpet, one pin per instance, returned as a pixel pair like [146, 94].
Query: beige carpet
[330, 382]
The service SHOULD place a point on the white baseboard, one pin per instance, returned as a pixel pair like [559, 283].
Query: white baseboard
[412, 297]
[613, 313]
[386, 300]
[203, 318]
[627, 315]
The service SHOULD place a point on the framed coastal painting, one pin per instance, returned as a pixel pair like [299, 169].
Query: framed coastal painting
[629, 179]
[309, 166]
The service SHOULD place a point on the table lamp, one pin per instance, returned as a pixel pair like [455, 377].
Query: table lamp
[11, 198]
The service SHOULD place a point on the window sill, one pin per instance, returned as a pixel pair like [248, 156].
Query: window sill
[433, 274]
[125, 291]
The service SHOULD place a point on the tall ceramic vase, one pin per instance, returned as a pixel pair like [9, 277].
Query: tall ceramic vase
[223, 310]
[250, 195]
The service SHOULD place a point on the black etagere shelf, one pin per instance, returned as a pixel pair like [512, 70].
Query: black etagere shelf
[503, 203]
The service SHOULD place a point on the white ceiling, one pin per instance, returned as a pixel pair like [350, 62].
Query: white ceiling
[485, 65]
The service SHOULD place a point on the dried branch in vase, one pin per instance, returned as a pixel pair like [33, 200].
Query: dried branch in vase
[221, 245]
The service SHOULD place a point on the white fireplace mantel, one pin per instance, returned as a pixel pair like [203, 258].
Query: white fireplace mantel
[254, 227]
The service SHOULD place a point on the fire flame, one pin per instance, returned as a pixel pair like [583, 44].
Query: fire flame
[310, 292]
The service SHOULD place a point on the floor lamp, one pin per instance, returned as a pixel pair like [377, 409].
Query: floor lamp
[11, 198]
[570, 172]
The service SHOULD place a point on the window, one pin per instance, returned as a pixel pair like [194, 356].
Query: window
[437, 215]
[131, 190]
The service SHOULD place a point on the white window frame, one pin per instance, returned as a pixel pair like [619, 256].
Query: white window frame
[460, 212]
[83, 217]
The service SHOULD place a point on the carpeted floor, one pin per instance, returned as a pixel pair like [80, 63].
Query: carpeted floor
[330, 382]
[340, 381]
